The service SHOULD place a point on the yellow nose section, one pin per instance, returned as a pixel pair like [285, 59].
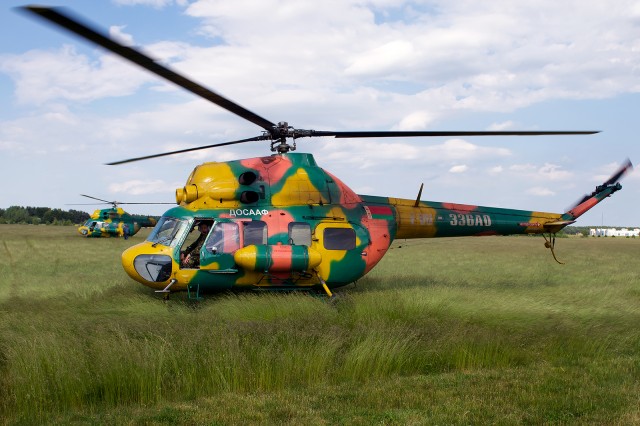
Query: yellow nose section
[83, 230]
[149, 265]
[128, 257]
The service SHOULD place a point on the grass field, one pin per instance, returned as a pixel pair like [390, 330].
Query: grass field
[443, 331]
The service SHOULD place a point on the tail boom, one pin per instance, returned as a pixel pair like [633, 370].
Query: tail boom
[427, 219]
[434, 219]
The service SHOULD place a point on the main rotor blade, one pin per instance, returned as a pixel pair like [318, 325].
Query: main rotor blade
[392, 134]
[146, 157]
[84, 204]
[94, 204]
[73, 24]
[99, 199]
[146, 203]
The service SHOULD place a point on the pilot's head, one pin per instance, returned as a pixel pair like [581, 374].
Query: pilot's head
[204, 227]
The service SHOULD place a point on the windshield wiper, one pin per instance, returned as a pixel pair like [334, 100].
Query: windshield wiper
[163, 240]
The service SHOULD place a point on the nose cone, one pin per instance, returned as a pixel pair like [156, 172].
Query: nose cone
[149, 265]
[83, 230]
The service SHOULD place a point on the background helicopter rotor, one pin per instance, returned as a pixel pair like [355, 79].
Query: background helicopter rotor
[113, 203]
[276, 133]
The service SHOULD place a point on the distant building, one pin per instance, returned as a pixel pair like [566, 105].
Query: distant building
[613, 232]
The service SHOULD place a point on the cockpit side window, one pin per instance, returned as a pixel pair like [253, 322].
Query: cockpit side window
[224, 238]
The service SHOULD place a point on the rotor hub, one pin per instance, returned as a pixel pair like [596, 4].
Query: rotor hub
[279, 135]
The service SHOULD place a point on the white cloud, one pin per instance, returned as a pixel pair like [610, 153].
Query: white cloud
[522, 168]
[505, 125]
[158, 4]
[69, 76]
[458, 169]
[553, 172]
[460, 149]
[382, 59]
[9, 146]
[116, 33]
[480, 57]
[373, 153]
[418, 120]
[540, 192]
[547, 172]
[141, 187]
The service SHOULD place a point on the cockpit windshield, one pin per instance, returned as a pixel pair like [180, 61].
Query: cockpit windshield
[168, 231]
[94, 224]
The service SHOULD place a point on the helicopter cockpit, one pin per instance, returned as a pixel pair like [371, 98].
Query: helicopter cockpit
[90, 226]
[168, 231]
[225, 246]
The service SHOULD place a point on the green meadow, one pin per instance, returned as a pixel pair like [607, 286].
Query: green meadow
[442, 331]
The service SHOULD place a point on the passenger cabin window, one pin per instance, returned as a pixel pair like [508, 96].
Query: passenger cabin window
[339, 238]
[255, 233]
[299, 234]
[224, 238]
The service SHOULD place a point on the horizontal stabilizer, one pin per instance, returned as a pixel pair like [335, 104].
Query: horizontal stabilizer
[557, 225]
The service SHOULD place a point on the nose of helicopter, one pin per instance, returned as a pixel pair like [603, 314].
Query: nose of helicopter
[149, 265]
[83, 230]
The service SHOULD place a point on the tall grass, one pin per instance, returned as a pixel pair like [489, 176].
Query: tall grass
[443, 331]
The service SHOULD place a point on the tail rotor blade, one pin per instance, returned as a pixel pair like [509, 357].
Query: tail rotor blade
[611, 182]
[624, 169]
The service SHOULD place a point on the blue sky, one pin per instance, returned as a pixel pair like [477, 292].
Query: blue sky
[67, 107]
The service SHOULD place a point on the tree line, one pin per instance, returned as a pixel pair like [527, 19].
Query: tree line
[575, 230]
[42, 215]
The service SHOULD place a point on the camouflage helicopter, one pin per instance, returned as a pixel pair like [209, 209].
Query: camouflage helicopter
[282, 222]
[114, 222]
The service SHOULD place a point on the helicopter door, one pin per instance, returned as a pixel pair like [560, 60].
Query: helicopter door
[216, 255]
[341, 246]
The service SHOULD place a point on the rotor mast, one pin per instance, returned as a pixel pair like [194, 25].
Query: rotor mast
[279, 135]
